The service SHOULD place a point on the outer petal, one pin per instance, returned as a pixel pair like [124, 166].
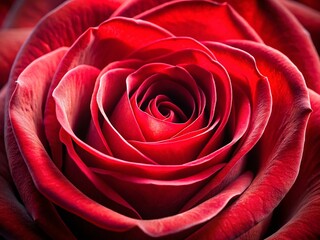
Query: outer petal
[202, 20]
[315, 4]
[30, 98]
[133, 7]
[26, 13]
[57, 23]
[275, 25]
[4, 8]
[10, 42]
[15, 221]
[26, 117]
[309, 18]
[299, 213]
[57, 26]
[199, 214]
[278, 28]
[277, 166]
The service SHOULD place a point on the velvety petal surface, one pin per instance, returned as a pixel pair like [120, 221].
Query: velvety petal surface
[309, 18]
[278, 28]
[59, 23]
[185, 18]
[275, 25]
[15, 222]
[276, 167]
[311, 3]
[49, 181]
[299, 213]
[247, 121]
[25, 114]
[72, 97]
[87, 50]
[10, 42]
[4, 8]
[27, 13]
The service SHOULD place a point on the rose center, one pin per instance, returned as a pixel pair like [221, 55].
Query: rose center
[163, 108]
[166, 100]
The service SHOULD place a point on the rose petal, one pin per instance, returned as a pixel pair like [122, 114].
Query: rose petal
[162, 108]
[112, 34]
[239, 124]
[258, 231]
[15, 221]
[197, 215]
[244, 74]
[91, 184]
[57, 23]
[185, 18]
[105, 102]
[134, 7]
[4, 173]
[249, 116]
[299, 212]
[144, 194]
[311, 3]
[280, 29]
[167, 46]
[95, 136]
[26, 116]
[4, 8]
[10, 42]
[27, 13]
[73, 96]
[277, 166]
[309, 18]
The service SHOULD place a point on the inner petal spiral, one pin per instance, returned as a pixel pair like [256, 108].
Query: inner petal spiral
[177, 99]
[163, 108]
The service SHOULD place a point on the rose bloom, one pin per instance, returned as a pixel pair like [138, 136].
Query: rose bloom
[146, 119]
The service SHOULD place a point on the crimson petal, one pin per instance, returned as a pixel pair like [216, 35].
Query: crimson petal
[12, 211]
[26, 117]
[27, 13]
[10, 42]
[280, 29]
[185, 18]
[105, 101]
[278, 167]
[299, 212]
[57, 23]
[199, 214]
[309, 18]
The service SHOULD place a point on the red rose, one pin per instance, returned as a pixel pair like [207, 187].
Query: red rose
[174, 120]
